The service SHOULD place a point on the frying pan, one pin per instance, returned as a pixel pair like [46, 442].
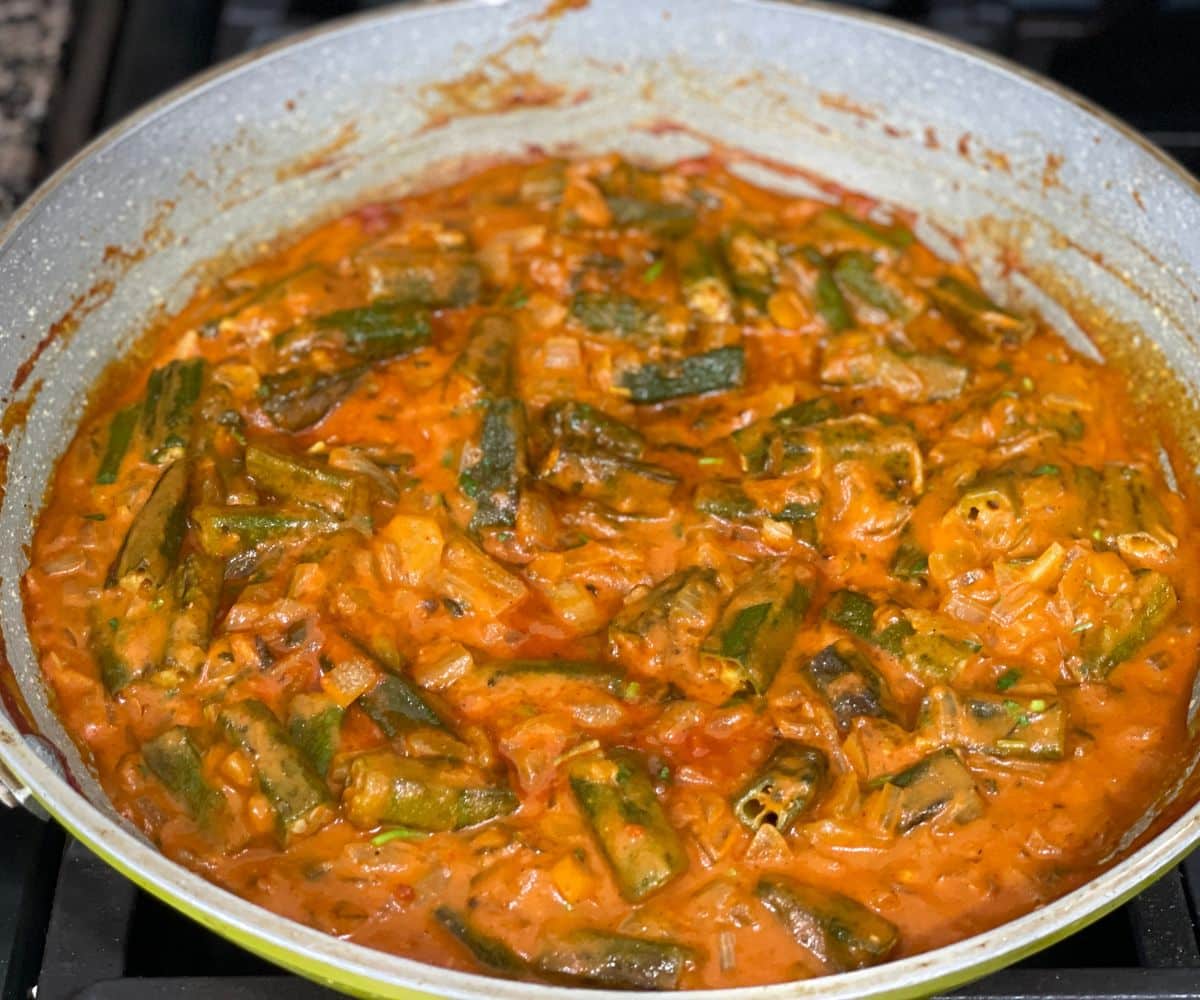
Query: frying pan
[1058, 206]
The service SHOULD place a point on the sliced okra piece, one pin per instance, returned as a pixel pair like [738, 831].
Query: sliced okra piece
[151, 546]
[783, 789]
[625, 485]
[936, 784]
[1130, 622]
[660, 218]
[617, 799]
[297, 399]
[433, 278]
[849, 684]
[432, 794]
[663, 627]
[852, 611]
[487, 360]
[397, 705]
[488, 951]
[296, 792]
[842, 933]
[583, 428]
[930, 651]
[379, 331]
[172, 757]
[775, 442]
[615, 961]
[910, 561]
[718, 370]
[893, 237]
[757, 626]
[725, 499]
[828, 300]
[1024, 728]
[1129, 517]
[171, 394]
[973, 312]
[621, 315]
[120, 435]
[590, 671]
[197, 585]
[854, 273]
[314, 725]
[230, 531]
[292, 479]
[494, 481]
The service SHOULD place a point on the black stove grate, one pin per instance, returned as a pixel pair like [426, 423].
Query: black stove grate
[70, 927]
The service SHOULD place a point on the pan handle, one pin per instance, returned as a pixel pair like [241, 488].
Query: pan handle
[14, 795]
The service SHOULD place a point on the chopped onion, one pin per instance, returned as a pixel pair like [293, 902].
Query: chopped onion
[725, 949]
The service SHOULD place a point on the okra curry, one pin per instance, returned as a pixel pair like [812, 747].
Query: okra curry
[615, 576]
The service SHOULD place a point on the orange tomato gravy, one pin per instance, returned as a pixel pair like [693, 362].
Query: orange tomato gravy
[862, 475]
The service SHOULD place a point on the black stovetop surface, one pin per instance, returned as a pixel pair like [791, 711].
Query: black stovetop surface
[70, 927]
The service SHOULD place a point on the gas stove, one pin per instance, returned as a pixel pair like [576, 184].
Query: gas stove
[71, 927]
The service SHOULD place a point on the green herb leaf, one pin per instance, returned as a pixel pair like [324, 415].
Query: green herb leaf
[1008, 679]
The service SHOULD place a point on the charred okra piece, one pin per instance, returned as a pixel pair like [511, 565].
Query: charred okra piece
[705, 288]
[397, 705]
[424, 794]
[936, 784]
[1025, 728]
[290, 478]
[494, 481]
[226, 531]
[713, 371]
[580, 427]
[615, 961]
[841, 932]
[627, 486]
[490, 952]
[152, 544]
[783, 789]
[172, 757]
[197, 593]
[171, 395]
[120, 436]
[292, 786]
[314, 725]
[379, 331]
[848, 683]
[487, 360]
[757, 627]
[617, 799]
[976, 314]
[434, 278]
[1130, 622]
[298, 399]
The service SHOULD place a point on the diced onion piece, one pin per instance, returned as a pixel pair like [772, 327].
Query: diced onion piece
[441, 664]
[349, 679]
[420, 542]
